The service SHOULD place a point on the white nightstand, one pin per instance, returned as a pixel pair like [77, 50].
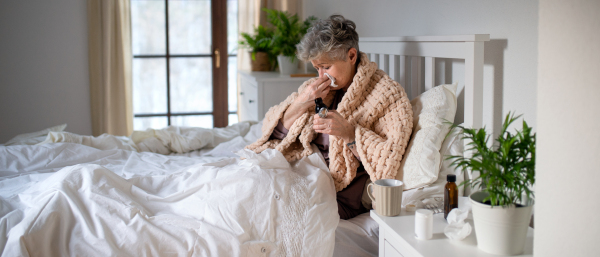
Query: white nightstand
[259, 91]
[397, 238]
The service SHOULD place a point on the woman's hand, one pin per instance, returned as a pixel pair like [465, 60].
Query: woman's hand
[319, 88]
[334, 124]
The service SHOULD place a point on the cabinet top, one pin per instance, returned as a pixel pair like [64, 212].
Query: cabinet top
[402, 227]
[272, 76]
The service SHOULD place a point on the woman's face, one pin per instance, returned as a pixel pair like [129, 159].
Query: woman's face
[342, 71]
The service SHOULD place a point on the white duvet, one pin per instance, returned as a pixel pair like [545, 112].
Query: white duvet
[65, 199]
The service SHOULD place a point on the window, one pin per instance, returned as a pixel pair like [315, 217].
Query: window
[184, 63]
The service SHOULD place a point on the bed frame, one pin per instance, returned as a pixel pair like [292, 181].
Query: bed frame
[402, 58]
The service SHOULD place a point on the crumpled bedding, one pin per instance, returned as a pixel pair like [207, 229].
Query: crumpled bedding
[186, 139]
[172, 139]
[34, 137]
[71, 199]
[24, 166]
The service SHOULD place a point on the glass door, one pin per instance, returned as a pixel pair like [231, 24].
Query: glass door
[181, 62]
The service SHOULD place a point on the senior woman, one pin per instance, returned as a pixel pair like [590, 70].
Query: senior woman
[367, 129]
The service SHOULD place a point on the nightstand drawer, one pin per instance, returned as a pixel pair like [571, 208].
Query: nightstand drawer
[248, 102]
[390, 251]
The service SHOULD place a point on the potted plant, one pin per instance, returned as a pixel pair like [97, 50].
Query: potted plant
[289, 30]
[261, 57]
[502, 209]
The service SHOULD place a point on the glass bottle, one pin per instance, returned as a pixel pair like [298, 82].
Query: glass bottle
[450, 195]
[320, 107]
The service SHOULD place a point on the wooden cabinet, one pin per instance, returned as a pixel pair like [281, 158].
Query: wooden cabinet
[259, 91]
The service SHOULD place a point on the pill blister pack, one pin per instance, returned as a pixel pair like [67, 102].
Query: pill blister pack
[436, 206]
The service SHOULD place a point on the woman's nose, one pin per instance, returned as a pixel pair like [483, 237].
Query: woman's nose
[321, 73]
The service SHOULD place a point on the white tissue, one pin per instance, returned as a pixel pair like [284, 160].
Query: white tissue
[457, 228]
[332, 80]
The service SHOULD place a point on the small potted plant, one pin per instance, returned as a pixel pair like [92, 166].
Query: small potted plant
[502, 209]
[259, 45]
[289, 30]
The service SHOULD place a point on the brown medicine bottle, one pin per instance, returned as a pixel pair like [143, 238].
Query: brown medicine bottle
[450, 195]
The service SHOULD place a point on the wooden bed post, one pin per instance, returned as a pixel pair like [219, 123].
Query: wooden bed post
[429, 73]
[473, 94]
[474, 84]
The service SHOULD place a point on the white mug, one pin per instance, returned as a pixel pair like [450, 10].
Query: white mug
[387, 196]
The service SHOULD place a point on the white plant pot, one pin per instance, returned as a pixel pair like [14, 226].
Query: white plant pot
[500, 230]
[286, 66]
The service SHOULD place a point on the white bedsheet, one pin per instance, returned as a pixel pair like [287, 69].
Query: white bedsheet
[71, 199]
[358, 236]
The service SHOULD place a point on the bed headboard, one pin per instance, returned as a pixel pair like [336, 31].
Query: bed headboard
[402, 57]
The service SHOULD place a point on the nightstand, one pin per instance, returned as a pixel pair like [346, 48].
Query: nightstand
[397, 238]
[259, 91]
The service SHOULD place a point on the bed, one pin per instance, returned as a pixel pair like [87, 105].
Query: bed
[186, 191]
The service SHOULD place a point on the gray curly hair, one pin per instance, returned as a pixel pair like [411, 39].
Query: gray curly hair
[331, 38]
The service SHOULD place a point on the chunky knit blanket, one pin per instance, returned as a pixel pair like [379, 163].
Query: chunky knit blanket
[375, 104]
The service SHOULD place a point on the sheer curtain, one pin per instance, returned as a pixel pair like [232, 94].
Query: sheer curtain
[109, 46]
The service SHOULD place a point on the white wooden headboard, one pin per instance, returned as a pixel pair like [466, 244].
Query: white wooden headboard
[393, 53]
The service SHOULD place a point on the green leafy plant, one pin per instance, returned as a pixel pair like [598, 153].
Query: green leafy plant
[260, 42]
[506, 169]
[289, 30]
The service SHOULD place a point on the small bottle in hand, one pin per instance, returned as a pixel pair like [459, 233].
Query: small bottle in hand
[320, 107]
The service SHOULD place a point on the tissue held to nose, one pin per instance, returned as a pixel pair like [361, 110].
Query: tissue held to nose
[332, 80]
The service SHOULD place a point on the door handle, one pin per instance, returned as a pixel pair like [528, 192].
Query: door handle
[218, 58]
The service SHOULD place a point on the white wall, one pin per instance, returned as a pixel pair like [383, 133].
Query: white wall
[510, 71]
[43, 66]
[568, 162]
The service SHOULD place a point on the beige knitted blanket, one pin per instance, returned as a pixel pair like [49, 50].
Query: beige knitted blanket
[375, 104]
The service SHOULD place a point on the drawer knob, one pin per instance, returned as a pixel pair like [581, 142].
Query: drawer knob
[241, 93]
[250, 101]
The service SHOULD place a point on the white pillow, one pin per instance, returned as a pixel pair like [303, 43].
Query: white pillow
[421, 164]
[452, 145]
